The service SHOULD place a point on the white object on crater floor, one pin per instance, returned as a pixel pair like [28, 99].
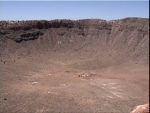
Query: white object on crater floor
[34, 83]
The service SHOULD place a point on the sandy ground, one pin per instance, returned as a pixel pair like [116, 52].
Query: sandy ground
[37, 86]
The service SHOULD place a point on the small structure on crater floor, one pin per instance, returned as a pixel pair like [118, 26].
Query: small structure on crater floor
[84, 75]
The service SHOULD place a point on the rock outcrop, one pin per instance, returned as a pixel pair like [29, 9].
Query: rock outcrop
[141, 109]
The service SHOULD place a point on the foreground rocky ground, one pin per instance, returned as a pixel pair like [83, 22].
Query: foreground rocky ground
[141, 109]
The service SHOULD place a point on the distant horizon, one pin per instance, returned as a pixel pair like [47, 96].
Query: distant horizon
[77, 19]
[72, 10]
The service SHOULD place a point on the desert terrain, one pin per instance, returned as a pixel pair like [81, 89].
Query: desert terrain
[74, 66]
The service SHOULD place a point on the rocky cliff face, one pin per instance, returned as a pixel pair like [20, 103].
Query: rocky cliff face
[125, 39]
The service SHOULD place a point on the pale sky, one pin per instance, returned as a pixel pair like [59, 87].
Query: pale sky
[47, 10]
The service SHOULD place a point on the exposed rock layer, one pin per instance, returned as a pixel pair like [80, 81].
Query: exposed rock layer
[125, 39]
